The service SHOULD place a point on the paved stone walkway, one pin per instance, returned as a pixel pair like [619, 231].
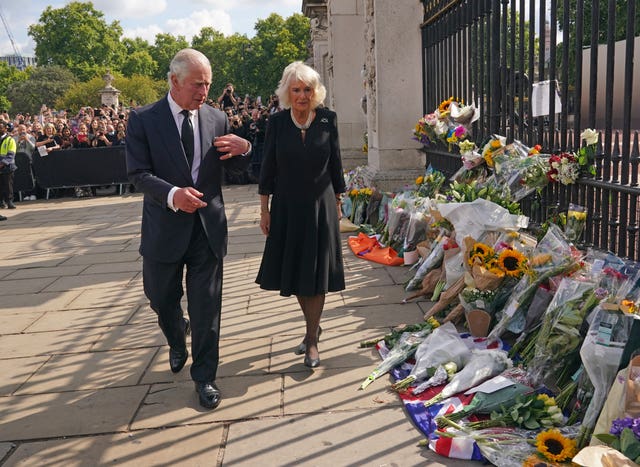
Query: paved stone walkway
[84, 373]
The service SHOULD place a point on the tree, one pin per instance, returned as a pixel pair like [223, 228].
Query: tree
[603, 10]
[138, 59]
[163, 50]
[276, 44]
[138, 89]
[45, 85]
[9, 75]
[77, 37]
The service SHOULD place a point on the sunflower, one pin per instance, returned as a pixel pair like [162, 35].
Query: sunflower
[444, 105]
[555, 447]
[512, 262]
[481, 251]
[419, 180]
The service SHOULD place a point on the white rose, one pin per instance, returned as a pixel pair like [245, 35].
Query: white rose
[590, 136]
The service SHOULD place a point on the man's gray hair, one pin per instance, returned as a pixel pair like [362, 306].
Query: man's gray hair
[181, 62]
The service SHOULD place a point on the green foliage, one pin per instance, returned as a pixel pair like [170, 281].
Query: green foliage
[77, 37]
[9, 75]
[163, 50]
[137, 89]
[45, 85]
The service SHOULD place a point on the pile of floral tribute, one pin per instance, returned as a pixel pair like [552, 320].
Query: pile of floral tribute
[547, 322]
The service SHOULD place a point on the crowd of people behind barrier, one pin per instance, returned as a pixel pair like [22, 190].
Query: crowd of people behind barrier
[52, 130]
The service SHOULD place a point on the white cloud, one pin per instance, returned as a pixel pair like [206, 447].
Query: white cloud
[147, 33]
[191, 25]
[121, 9]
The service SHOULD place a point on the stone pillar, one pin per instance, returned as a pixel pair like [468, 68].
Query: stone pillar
[393, 75]
[109, 94]
[346, 85]
[318, 45]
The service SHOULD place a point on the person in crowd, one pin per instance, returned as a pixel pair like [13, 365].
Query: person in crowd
[228, 98]
[257, 127]
[25, 144]
[36, 131]
[66, 138]
[302, 174]
[121, 134]
[7, 165]
[101, 138]
[93, 129]
[48, 138]
[81, 139]
[175, 150]
[274, 104]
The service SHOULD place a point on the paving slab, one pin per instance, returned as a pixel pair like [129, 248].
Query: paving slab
[12, 323]
[48, 343]
[69, 413]
[353, 438]
[96, 370]
[16, 371]
[82, 318]
[244, 397]
[130, 336]
[197, 445]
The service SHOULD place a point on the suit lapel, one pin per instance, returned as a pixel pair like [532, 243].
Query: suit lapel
[171, 137]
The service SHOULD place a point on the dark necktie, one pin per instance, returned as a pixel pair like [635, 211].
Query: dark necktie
[187, 136]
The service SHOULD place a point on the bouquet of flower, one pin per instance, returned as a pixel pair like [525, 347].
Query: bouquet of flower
[559, 334]
[359, 199]
[576, 220]
[601, 353]
[494, 146]
[403, 349]
[447, 124]
[429, 184]
[563, 168]
[586, 154]
[530, 411]
[624, 436]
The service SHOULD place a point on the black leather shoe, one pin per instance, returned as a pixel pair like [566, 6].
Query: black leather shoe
[3, 218]
[2, 205]
[208, 395]
[177, 359]
[10, 205]
[302, 347]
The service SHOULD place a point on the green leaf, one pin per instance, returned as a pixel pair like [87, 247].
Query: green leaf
[531, 424]
[607, 438]
[629, 445]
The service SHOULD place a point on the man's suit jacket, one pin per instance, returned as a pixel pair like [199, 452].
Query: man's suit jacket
[156, 162]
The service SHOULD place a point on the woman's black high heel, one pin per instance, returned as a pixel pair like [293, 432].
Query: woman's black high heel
[311, 362]
[302, 348]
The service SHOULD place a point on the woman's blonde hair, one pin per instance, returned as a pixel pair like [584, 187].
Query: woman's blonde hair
[298, 71]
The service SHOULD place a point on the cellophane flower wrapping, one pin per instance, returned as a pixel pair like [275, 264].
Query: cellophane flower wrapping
[519, 173]
[551, 257]
[576, 221]
[601, 353]
[559, 334]
[419, 224]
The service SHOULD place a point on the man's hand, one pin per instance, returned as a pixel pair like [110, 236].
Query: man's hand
[231, 145]
[188, 199]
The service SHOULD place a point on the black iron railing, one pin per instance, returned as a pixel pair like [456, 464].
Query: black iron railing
[494, 52]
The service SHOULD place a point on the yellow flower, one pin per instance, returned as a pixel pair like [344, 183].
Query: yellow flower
[481, 251]
[419, 180]
[496, 144]
[555, 447]
[512, 262]
[353, 192]
[444, 105]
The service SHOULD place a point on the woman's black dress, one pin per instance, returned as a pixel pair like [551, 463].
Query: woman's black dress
[302, 254]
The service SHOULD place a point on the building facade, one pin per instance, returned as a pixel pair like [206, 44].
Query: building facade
[368, 54]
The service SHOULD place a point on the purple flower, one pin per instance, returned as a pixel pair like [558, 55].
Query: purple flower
[620, 424]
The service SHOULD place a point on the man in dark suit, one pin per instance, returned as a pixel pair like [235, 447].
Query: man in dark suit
[175, 149]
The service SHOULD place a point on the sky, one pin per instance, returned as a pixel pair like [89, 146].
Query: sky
[146, 18]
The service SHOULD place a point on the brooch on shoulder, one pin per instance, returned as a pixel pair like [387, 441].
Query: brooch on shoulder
[324, 120]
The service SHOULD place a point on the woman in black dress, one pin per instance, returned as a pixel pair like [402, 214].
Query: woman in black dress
[302, 173]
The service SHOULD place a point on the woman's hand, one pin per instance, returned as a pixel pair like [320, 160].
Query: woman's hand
[265, 222]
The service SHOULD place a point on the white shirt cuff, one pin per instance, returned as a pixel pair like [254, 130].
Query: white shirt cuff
[170, 199]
